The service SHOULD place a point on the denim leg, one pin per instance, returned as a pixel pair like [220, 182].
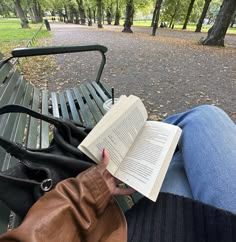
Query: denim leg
[176, 181]
[208, 150]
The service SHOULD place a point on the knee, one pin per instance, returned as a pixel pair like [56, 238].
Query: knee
[209, 112]
[206, 108]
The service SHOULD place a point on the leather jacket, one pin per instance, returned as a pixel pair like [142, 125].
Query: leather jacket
[79, 209]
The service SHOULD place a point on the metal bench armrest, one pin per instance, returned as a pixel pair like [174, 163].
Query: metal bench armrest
[52, 50]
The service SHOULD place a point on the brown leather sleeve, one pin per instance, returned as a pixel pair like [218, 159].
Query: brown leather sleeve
[78, 209]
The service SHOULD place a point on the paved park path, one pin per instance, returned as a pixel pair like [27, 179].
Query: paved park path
[170, 72]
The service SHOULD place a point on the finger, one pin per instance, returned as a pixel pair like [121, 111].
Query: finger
[123, 191]
[117, 181]
[105, 160]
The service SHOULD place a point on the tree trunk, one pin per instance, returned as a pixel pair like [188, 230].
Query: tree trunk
[171, 25]
[154, 14]
[216, 33]
[117, 14]
[76, 17]
[155, 24]
[99, 14]
[203, 15]
[109, 14]
[71, 14]
[37, 11]
[81, 11]
[190, 8]
[66, 14]
[90, 23]
[94, 15]
[21, 14]
[129, 16]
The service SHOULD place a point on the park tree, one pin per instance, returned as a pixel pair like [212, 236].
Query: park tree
[119, 8]
[156, 16]
[216, 33]
[99, 13]
[109, 10]
[173, 11]
[117, 14]
[35, 11]
[21, 14]
[129, 15]
[73, 12]
[90, 7]
[57, 6]
[190, 8]
[203, 15]
[81, 11]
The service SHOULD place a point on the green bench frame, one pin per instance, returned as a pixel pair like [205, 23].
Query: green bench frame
[83, 103]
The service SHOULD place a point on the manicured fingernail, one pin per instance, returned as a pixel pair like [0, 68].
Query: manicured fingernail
[103, 153]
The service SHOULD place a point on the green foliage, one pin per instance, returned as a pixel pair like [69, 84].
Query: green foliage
[144, 6]
[213, 10]
[174, 9]
[6, 8]
[197, 10]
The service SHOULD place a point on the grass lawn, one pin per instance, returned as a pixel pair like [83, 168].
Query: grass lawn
[190, 27]
[12, 35]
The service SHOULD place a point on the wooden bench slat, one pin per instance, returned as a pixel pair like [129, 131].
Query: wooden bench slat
[4, 124]
[84, 113]
[93, 108]
[55, 109]
[106, 89]
[96, 98]
[20, 127]
[8, 120]
[9, 88]
[33, 123]
[44, 139]
[5, 70]
[100, 91]
[73, 108]
[63, 105]
[20, 123]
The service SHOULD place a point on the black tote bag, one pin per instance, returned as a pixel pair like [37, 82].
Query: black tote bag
[39, 170]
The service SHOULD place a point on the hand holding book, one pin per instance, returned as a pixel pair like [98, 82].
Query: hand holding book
[111, 181]
[140, 151]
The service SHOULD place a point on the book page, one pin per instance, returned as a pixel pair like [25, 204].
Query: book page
[152, 150]
[116, 132]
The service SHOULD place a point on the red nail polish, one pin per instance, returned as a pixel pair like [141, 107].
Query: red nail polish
[103, 153]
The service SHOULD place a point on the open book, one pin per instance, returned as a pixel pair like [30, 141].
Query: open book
[140, 151]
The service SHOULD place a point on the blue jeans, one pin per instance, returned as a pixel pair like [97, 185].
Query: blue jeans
[204, 166]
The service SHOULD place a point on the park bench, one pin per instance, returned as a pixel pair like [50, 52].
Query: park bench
[83, 104]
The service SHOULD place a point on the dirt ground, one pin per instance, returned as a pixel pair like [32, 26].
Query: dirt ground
[170, 72]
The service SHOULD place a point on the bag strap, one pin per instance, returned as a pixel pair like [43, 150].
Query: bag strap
[18, 150]
[13, 108]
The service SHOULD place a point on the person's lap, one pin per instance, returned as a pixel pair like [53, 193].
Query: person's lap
[204, 167]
